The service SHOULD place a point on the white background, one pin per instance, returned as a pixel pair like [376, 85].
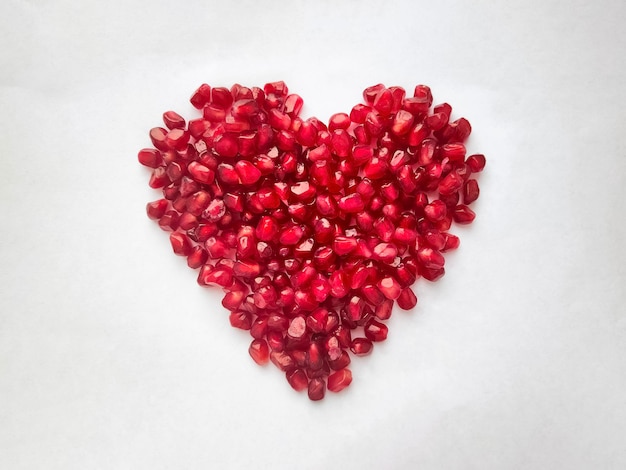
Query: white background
[112, 357]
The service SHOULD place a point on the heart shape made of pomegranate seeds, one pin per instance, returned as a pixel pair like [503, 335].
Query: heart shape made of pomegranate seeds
[312, 230]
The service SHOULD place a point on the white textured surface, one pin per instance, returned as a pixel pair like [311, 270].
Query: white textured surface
[111, 357]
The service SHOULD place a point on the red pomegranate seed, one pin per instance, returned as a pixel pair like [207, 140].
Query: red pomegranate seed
[226, 146]
[450, 184]
[402, 122]
[247, 269]
[248, 173]
[227, 174]
[339, 121]
[291, 235]
[389, 287]
[372, 294]
[463, 214]
[454, 152]
[180, 243]
[407, 299]
[201, 173]
[297, 379]
[177, 139]
[232, 301]
[351, 203]
[197, 257]
[215, 210]
[208, 275]
[156, 209]
[169, 221]
[282, 360]
[344, 245]
[452, 242]
[470, 191]
[476, 162]
[297, 327]
[384, 309]
[385, 252]
[259, 351]
[375, 331]
[317, 389]
[303, 191]
[339, 380]
[240, 319]
[435, 211]
[338, 284]
[430, 259]
[316, 320]
[267, 229]
[150, 158]
[201, 96]
[361, 346]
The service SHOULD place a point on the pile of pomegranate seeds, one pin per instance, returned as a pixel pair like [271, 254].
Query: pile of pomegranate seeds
[313, 231]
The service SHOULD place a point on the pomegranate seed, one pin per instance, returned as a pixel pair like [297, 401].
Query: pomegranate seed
[383, 102]
[248, 173]
[180, 243]
[463, 214]
[303, 191]
[221, 97]
[452, 242]
[375, 331]
[208, 275]
[276, 342]
[385, 252]
[226, 146]
[259, 351]
[450, 184]
[267, 229]
[407, 299]
[454, 152]
[361, 346]
[317, 389]
[227, 174]
[201, 173]
[150, 158]
[247, 269]
[389, 287]
[177, 139]
[384, 309]
[435, 211]
[341, 362]
[201, 96]
[156, 209]
[476, 163]
[344, 245]
[240, 319]
[169, 221]
[402, 122]
[232, 301]
[338, 284]
[282, 360]
[470, 191]
[297, 379]
[372, 294]
[339, 380]
[297, 327]
[352, 203]
[291, 235]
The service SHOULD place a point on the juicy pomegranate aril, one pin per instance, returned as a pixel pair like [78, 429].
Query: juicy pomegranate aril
[312, 230]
